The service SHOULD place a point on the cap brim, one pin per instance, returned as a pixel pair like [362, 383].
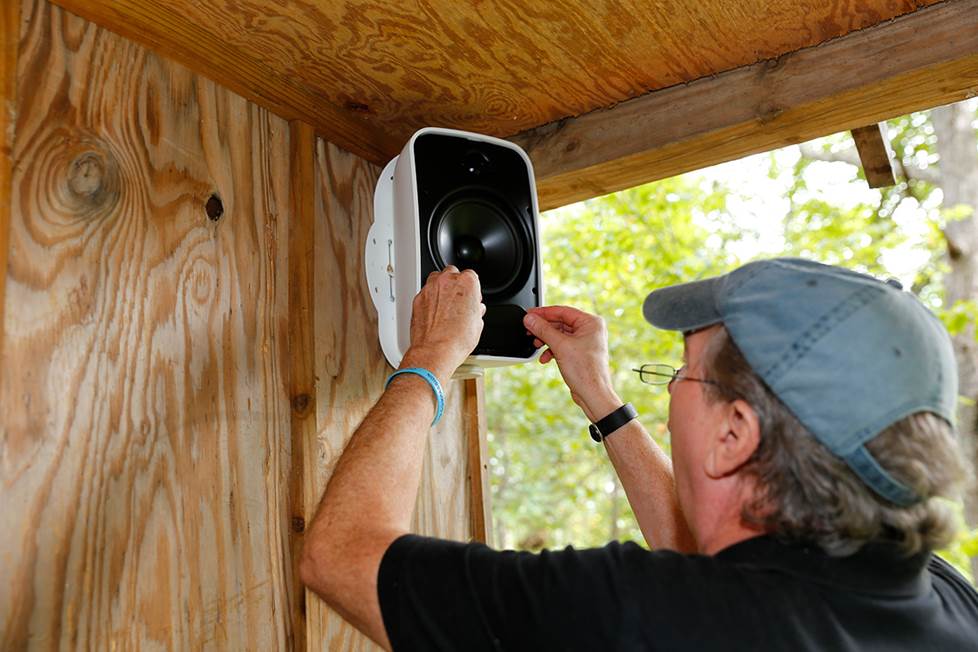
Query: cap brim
[685, 307]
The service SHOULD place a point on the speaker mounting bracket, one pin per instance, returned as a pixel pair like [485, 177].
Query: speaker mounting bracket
[381, 265]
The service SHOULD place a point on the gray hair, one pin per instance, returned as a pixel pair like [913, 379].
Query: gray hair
[806, 493]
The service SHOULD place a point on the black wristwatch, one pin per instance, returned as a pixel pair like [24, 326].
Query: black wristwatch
[612, 422]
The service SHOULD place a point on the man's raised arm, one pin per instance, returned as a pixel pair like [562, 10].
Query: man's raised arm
[370, 497]
[578, 341]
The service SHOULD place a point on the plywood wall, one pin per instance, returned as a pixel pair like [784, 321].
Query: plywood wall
[157, 465]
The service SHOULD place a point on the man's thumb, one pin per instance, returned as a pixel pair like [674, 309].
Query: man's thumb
[541, 328]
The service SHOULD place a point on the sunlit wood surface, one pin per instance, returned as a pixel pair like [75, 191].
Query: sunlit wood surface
[145, 425]
[367, 74]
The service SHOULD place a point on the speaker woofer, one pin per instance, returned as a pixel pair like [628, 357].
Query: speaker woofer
[475, 228]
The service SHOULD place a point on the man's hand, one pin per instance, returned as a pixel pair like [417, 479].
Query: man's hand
[446, 321]
[578, 341]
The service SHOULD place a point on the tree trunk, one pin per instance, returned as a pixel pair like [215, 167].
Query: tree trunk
[957, 146]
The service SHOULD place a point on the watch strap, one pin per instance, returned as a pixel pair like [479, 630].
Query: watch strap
[604, 427]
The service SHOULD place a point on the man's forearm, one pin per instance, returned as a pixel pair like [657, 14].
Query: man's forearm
[370, 498]
[646, 475]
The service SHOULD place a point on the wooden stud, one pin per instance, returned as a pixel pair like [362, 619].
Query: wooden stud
[302, 360]
[911, 63]
[874, 154]
[480, 512]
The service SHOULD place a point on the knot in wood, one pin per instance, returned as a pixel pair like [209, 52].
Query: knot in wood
[298, 524]
[89, 185]
[768, 111]
[86, 174]
[300, 403]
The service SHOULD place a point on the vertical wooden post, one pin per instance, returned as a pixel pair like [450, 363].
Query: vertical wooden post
[874, 155]
[474, 411]
[302, 375]
[9, 41]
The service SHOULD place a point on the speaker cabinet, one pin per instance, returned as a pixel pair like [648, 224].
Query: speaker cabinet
[463, 199]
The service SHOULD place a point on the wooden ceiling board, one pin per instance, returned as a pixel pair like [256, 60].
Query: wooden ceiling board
[912, 63]
[368, 73]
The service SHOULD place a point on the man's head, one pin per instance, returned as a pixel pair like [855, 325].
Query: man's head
[831, 364]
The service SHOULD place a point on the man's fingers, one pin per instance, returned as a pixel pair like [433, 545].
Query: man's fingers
[546, 356]
[565, 314]
[564, 318]
[542, 329]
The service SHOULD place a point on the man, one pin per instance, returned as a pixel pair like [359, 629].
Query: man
[811, 442]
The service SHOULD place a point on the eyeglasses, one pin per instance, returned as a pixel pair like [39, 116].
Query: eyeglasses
[663, 374]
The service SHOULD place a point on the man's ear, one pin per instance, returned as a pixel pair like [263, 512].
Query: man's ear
[738, 440]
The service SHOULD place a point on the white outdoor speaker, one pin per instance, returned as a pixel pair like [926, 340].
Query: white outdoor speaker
[457, 198]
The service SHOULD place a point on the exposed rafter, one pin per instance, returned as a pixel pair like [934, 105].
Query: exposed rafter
[915, 62]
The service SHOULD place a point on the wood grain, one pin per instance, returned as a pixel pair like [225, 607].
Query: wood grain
[200, 37]
[480, 510]
[351, 370]
[9, 38]
[178, 387]
[302, 354]
[874, 155]
[145, 445]
[368, 73]
[909, 64]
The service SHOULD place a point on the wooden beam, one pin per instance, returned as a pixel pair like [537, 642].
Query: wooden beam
[302, 359]
[9, 41]
[474, 415]
[915, 62]
[162, 27]
[874, 155]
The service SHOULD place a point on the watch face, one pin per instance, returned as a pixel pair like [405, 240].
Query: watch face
[595, 434]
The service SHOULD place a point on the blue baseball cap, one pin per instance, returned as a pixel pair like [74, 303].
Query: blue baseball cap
[848, 354]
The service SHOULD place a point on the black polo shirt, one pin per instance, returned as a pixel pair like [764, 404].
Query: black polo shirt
[759, 594]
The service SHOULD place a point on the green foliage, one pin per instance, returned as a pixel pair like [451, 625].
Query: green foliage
[960, 316]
